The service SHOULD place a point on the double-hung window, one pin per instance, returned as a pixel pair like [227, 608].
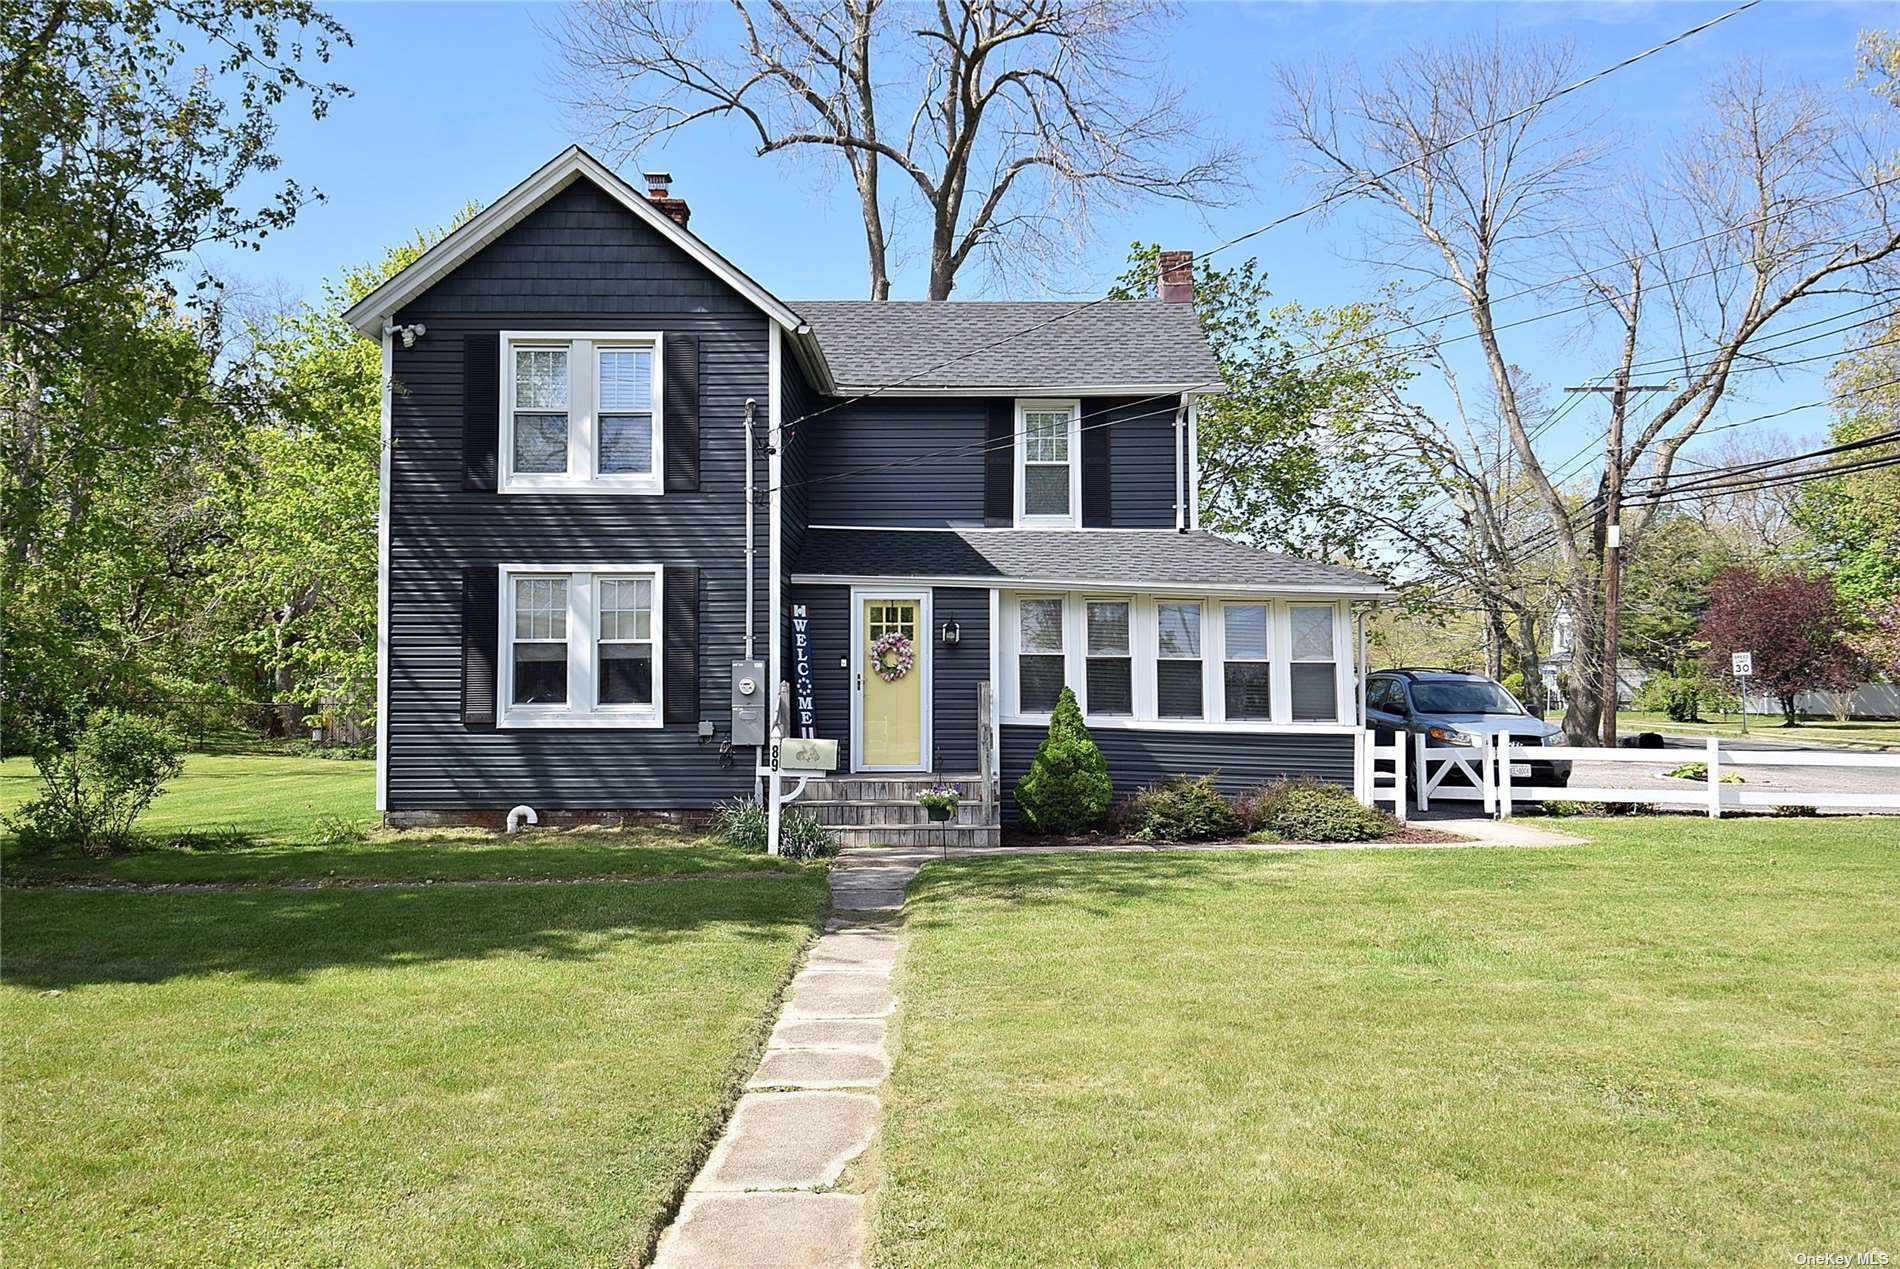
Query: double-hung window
[1314, 669]
[1178, 659]
[1245, 665]
[1111, 680]
[581, 413]
[580, 647]
[1039, 655]
[1048, 463]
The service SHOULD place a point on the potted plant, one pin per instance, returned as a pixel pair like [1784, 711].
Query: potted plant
[940, 802]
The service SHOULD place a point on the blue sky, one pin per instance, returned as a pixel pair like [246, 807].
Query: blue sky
[456, 102]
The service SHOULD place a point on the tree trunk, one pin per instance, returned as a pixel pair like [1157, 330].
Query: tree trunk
[1528, 665]
[1787, 712]
[1583, 719]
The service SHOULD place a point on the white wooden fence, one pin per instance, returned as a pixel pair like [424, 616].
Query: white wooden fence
[1487, 779]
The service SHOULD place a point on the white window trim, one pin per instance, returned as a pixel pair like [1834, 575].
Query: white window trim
[582, 681]
[1144, 650]
[1074, 406]
[583, 431]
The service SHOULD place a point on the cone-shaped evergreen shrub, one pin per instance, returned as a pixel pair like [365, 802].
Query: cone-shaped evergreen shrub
[1066, 788]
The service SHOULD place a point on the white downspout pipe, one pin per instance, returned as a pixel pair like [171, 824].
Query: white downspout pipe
[1180, 465]
[521, 813]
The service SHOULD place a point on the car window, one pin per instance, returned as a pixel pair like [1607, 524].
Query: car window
[1463, 696]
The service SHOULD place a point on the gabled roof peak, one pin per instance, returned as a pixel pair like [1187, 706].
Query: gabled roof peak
[574, 163]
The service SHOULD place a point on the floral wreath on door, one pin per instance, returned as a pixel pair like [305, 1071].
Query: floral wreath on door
[892, 656]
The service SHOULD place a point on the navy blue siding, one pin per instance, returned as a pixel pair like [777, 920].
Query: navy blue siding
[580, 261]
[916, 484]
[956, 672]
[1140, 461]
[830, 610]
[926, 488]
[1137, 758]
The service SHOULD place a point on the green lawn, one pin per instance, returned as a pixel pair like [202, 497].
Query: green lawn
[270, 818]
[450, 1075]
[1677, 1045]
[1814, 729]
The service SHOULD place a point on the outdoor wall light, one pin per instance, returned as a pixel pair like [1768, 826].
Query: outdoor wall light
[952, 632]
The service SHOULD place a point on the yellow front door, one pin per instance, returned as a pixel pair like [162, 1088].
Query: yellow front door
[893, 692]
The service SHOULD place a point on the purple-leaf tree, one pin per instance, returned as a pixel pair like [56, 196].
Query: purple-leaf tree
[1793, 625]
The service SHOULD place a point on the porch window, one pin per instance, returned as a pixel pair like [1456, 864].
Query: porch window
[1315, 670]
[1111, 686]
[1048, 484]
[1039, 661]
[1178, 660]
[1245, 668]
[581, 412]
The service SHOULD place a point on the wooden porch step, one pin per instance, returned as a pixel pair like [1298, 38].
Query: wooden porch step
[840, 812]
[953, 834]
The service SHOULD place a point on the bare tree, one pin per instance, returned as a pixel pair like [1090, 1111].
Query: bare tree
[1011, 120]
[1776, 202]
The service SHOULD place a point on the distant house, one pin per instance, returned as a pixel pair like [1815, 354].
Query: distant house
[949, 495]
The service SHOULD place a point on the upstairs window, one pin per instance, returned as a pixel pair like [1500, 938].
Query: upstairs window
[581, 413]
[1178, 660]
[1048, 463]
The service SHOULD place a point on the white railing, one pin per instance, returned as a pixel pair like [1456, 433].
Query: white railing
[1488, 768]
[1370, 785]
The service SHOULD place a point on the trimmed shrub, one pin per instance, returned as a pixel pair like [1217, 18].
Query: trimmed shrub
[1066, 789]
[1306, 810]
[92, 793]
[1684, 695]
[1179, 809]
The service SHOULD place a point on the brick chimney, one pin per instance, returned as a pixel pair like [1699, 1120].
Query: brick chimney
[1177, 277]
[659, 185]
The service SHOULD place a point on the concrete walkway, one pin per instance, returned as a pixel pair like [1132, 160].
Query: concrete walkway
[767, 1195]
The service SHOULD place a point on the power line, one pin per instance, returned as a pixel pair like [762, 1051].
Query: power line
[1321, 202]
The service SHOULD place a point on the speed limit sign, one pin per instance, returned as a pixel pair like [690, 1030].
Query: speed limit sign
[1741, 664]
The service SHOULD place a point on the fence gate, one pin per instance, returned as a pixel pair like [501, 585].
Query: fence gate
[1435, 765]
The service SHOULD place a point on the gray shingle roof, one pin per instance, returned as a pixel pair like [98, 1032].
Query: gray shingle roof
[1122, 557]
[1012, 344]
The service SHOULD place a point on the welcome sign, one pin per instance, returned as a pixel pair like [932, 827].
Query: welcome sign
[803, 709]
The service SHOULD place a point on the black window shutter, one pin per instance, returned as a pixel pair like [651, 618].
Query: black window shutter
[681, 413]
[1097, 431]
[681, 619]
[481, 632]
[999, 465]
[481, 418]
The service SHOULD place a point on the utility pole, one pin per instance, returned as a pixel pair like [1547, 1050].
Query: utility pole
[1613, 535]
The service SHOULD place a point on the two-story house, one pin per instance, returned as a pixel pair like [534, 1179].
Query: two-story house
[949, 504]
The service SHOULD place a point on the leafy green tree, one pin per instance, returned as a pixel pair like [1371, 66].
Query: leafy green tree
[1852, 521]
[121, 162]
[1290, 453]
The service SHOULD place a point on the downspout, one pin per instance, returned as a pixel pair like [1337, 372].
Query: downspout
[1180, 465]
[1194, 463]
[775, 645]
